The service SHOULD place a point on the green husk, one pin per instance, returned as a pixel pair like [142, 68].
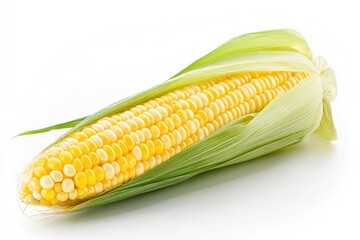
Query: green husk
[286, 120]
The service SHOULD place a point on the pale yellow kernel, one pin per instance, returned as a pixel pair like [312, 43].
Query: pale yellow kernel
[97, 140]
[140, 135]
[137, 153]
[224, 85]
[230, 101]
[73, 194]
[180, 94]
[183, 103]
[48, 194]
[209, 113]
[177, 136]
[139, 169]
[156, 114]
[98, 127]
[190, 114]
[177, 149]
[99, 173]
[56, 175]
[91, 190]
[247, 107]
[65, 145]
[67, 185]
[117, 131]
[124, 127]
[124, 117]
[135, 137]
[200, 134]
[204, 99]
[183, 133]
[206, 131]
[166, 140]
[46, 182]
[252, 105]
[36, 195]
[99, 187]
[133, 125]
[221, 105]
[149, 117]
[215, 108]
[142, 108]
[62, 196]
[220, 89]
[165, 156]
[130, 114]
[69, 170]
[102, 155]
[172, 139]
[111, 135]
[109, 171]
[52, 152]
[191, 126]
[147, 133]
[183, 116]
[176, 119]
[72, 141]
[152, 162]
[268, 95]
[116, 167]
[114, 182]
[164, 113]
[225, 102]
[34, 184]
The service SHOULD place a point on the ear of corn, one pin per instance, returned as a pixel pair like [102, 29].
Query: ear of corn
[253, 95]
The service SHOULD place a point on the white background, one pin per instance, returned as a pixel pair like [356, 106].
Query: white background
[64, 59]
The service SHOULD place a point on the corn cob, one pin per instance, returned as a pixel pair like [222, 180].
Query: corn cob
[108, 151]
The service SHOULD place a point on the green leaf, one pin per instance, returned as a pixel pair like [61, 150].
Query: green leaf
[68, 124]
